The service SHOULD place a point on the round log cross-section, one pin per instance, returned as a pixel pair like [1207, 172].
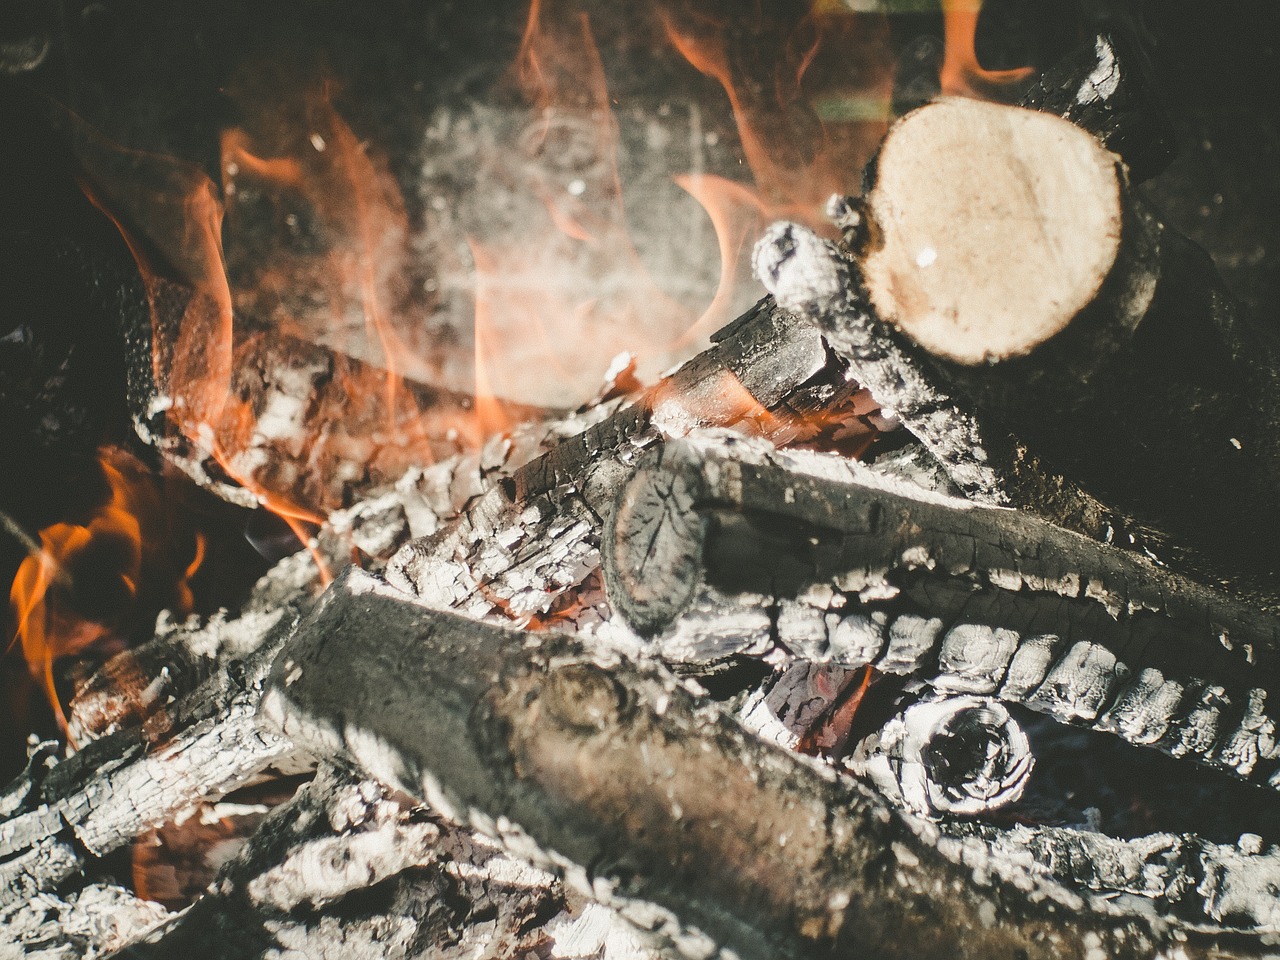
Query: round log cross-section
[992, 228]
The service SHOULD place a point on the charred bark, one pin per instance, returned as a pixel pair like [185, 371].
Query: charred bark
[721, 548]
[614, 773]
[1106, 86]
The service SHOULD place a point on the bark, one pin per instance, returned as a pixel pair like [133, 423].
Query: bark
[1106, 86]
[529, 537]
[718, 549]
[616, 774]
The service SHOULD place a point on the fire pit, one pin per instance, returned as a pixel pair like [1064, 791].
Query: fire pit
[685, 480]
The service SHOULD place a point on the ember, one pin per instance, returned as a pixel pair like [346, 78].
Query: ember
[924, 608]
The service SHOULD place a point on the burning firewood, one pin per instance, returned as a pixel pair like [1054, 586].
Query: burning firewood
[1138, 322]
[615, 775]
[720, 546]
[530, 536]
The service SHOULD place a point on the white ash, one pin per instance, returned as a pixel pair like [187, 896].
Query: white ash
[1077, 685]
[90, 923]
[793, 263]
[955, 755]
[1104, 80]
[1144, 708]
[974, 658]
[1029, 666]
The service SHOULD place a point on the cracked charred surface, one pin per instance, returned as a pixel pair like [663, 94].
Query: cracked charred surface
[529, 536]
[612, 772]
[823, 559]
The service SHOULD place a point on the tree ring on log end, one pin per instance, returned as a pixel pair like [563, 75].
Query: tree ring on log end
[995, 227]
[655, 543]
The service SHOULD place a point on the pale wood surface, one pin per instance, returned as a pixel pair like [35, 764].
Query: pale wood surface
[985, 260]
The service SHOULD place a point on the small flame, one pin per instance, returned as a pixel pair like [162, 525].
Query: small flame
[961, 74]
[109, 552]
[805, 132]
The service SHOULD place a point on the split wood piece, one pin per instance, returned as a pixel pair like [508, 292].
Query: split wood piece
[344, 871]
[614, 773]
[722, 546]
[90, 923]
[1209, 885]
[531, 536]
[1106, 86]
[1007, 245]
[102, 797]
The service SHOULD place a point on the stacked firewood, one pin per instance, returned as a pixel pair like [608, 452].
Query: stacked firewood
[679, 657]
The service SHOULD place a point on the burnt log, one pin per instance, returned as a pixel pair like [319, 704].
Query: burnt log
[613, 773]
[1042, 294]
[528, 537]
[343, 870]
[720, 547]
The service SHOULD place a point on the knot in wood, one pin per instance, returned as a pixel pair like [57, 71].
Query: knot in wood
[584, 697]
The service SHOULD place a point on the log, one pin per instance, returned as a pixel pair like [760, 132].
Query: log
[818, 280]
[959, 755]
[813, 556]
[527, 538]
[1043, 296]
[612, 772]
[1030, 204]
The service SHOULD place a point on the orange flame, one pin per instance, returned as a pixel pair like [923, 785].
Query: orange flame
[110, 548]
[805, 131]
[961, 74]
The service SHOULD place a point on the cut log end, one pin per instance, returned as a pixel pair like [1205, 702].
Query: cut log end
[985, 261]
[653, 555]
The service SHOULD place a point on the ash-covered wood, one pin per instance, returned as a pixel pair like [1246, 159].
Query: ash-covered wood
[979, 456]
[1106, 86]
[1207, 884]
[92, 922]
[528, 537]
[721, 546]
[948, 755]
[612, 772]
[344, 871]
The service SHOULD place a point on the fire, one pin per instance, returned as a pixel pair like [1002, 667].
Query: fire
[562, 290]
[961, 74]
[84, 582]
[810, 97]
